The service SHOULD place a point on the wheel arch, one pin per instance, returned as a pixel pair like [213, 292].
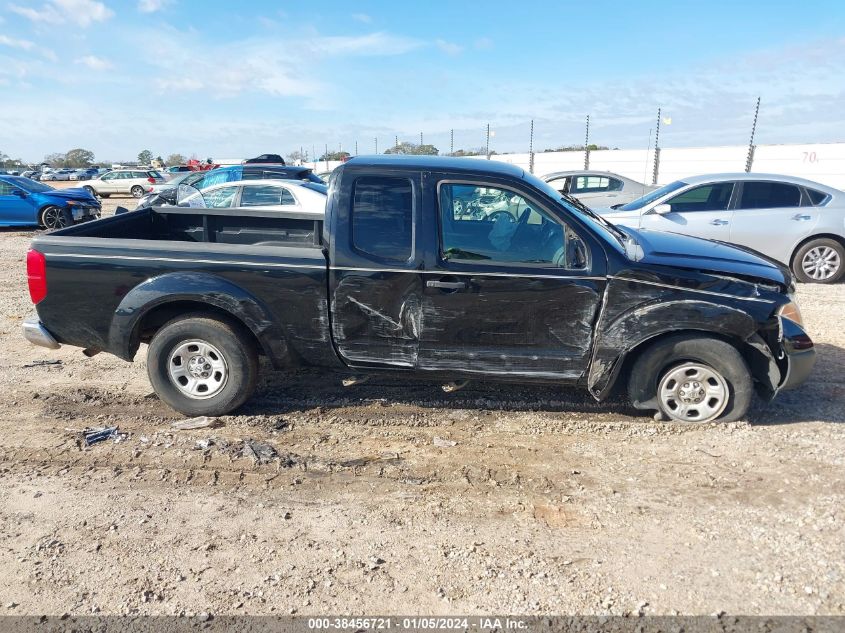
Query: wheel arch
[151, 304]
[755, 352]
[807, 240]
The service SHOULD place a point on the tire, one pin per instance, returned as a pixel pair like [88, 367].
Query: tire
[90, 190]
[220, 364]
[819, 261]
[53, 218]
[137, 191]
[692, 378]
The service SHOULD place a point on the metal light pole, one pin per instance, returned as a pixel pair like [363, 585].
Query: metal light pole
[421, 138]
[488, 142]
[327, 156]
[656, 149]
[531, 149]
[587, 145]
[452, 142]
[750, 160]
[396, 138]
[375, 142]
[356, 148]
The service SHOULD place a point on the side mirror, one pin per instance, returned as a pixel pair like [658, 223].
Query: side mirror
[663, 209]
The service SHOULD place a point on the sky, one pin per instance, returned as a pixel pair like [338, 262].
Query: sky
[216, 78]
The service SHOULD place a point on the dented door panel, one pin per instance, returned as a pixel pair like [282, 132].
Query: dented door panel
[540, 327]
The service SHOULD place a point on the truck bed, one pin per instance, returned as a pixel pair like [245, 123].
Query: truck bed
[222, 226]
[266, 268]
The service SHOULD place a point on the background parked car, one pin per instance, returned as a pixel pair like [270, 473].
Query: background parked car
[597, 188]
[84, 174]
[165, 192]
[795, 221]
[25, 202]
[267, 195]
[126, 181]
[58, 174]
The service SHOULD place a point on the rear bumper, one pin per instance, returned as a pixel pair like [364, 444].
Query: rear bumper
[799, 354]
[35, 332]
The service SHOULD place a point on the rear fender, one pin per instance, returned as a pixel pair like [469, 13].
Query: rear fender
[203, 288]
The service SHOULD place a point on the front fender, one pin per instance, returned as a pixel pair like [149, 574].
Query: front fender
[204, 288]
[619, 333]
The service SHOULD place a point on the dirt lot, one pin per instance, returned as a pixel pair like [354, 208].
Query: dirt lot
[548, 503]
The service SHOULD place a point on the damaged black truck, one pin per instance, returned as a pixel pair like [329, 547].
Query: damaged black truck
[440, 268]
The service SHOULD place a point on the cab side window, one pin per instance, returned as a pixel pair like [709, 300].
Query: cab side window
[496, 225]
[712, 197]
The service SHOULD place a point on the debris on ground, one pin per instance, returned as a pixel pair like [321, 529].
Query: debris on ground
[442, 443]
[202, 445]
[202, 422]
[42, 363]
[93, 435]
[260, 452]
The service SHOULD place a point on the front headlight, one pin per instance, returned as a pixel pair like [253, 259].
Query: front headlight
[792, 312]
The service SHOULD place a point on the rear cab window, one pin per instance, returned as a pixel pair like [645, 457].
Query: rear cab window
[817, 198]
[382, 217]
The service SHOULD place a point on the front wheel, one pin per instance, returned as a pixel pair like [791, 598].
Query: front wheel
[692, 378]
[90, 190]
[137, 191]
[202, 366]
[820, 261]
[53, 217]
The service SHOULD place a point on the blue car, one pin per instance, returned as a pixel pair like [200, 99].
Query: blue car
[25, 202]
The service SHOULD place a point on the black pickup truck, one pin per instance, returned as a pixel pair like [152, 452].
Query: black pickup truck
[446, 269]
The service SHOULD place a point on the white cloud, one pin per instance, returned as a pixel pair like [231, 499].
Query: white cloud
[362, 17]
[80, 12]
[94, 63]
[450, 48]
[376, 44]
[24, 45]
[151, 6]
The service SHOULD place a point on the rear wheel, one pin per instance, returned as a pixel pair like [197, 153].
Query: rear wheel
[820, 261]
[202, 366]
[137, 191]
[691, 378]
[53, 217]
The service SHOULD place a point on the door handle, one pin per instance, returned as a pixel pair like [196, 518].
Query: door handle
[446, 285]
[799, 217]
[718, 222]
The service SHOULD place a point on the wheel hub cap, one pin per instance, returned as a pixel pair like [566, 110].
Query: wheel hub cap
[821, 262]
[693, 392]
[197, 369]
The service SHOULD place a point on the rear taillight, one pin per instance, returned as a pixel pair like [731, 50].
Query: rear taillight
[36, 274]
[151, 180]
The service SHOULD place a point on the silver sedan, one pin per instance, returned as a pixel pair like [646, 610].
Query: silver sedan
[795, 221]
[597, 188]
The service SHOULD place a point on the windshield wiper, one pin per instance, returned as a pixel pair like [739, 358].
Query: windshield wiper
[583, 208]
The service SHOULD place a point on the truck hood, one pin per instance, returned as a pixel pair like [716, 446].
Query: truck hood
[683, 251]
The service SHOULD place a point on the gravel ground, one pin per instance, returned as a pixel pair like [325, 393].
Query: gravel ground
[546, 503]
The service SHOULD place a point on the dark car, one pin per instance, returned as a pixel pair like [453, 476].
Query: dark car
[265, 158]
[392, 279]
[25, 202]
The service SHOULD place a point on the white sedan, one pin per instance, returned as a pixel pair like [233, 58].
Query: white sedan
[268, 195]
[598, 188]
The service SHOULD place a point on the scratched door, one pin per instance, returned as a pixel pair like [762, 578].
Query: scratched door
[509, 296]
[375, 281]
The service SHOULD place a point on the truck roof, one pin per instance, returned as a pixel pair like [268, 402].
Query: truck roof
[436, 163]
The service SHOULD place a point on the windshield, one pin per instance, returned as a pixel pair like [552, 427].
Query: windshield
[647, 199]
[32, 186]
[579, 208]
